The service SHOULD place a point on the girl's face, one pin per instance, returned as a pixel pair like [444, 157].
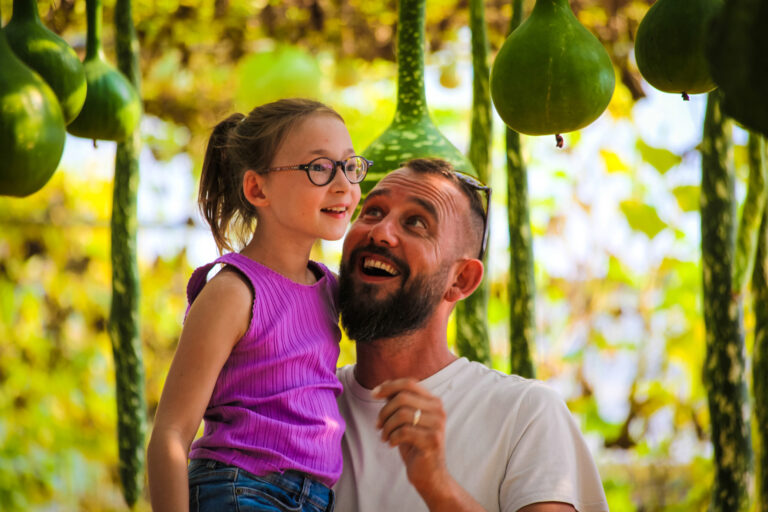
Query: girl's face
[295, 204]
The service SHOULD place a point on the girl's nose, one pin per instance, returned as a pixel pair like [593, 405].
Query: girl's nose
[340, 183]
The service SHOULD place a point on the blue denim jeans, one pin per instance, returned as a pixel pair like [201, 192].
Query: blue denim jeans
[217, 487]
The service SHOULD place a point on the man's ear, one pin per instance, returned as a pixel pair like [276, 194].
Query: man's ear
[253, 188]
[467, 278]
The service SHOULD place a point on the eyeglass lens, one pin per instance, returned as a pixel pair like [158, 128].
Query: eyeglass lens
[321, 170]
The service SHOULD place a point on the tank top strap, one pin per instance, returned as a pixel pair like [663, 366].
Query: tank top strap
[200, 275]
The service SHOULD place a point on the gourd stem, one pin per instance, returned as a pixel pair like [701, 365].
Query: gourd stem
[411, 96]
[94, 11]
[25, 10]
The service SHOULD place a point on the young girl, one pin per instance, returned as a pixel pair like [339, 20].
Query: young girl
[257, 355]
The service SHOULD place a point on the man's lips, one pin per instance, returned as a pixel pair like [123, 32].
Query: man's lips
[375, 263]
[378, 267]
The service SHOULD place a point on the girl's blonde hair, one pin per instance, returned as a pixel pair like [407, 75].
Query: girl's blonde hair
[238, 144]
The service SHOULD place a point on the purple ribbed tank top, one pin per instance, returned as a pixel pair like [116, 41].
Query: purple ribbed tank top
[273, 407]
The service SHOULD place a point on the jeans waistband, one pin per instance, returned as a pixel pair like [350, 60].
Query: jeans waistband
[292, 481]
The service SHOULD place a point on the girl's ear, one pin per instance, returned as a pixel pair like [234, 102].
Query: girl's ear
[253, 188]
[468, 276]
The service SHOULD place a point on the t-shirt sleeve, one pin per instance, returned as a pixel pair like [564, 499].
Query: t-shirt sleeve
[549, 458]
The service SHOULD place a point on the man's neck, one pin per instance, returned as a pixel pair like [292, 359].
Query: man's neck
[416, 355]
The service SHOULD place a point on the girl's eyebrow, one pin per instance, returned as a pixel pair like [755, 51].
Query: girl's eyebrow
[323, 152]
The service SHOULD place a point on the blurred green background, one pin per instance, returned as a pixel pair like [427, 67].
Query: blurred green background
[615, 219]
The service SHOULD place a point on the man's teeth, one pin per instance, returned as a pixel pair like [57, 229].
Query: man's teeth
[378, 264]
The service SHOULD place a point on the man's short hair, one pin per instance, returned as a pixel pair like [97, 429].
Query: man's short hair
[445, 169]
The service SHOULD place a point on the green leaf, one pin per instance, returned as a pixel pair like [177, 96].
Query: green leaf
[642, 217]
[687, 197]
[660, 158]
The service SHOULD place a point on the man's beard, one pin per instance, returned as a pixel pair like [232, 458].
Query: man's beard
[366, 319]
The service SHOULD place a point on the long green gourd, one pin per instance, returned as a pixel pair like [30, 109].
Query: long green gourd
[32, 130]
[472, 338]
[412, 134]
[724, 370]
[760, 362]
[124, 321]
[521, 287]
[751, 214]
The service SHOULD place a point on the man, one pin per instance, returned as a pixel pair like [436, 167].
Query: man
[425, 429]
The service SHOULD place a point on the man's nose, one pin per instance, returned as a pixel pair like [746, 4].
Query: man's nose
[384, 233]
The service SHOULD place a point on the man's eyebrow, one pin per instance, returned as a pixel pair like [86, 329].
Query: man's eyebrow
[383, 192]
[427, 206]
[376, 193]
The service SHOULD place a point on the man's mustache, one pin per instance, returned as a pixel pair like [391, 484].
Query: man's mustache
[380, 251]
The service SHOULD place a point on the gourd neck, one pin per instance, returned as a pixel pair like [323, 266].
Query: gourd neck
[411, 96]
[546, 6]
[94, 10]
[25, 10]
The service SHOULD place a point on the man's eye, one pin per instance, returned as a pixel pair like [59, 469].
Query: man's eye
[417, 222]
[372, 211]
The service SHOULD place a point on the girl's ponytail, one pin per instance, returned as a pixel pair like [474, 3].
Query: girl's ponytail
[219, 187]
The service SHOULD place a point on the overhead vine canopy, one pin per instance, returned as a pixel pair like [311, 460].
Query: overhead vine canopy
[179, 38]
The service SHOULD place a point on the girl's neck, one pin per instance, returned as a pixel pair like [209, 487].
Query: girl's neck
[287, 257]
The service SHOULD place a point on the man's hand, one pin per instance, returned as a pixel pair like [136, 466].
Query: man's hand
[414, 421]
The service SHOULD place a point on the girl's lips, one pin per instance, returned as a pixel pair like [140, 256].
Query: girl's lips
[338, 212]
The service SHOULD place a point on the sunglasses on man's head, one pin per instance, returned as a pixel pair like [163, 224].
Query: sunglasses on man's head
[322, 170]
[479, 186]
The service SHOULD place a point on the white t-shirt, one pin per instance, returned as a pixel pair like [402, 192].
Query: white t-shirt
[509, 442]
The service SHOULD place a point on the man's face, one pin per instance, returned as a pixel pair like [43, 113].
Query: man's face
[398, 255]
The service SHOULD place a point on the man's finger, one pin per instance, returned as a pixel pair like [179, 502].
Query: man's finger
[391, 387]
[405, 417]
[408, 401]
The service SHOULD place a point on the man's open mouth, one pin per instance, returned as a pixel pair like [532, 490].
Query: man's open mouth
[378, 268]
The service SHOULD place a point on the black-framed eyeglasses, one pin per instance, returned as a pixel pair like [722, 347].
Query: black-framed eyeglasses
[479, 186]
[322, 170]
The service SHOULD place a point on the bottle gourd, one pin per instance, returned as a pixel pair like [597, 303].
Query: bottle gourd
[32, 130]
[551, 75]
[738, 56]
[49, 55]
[670, 45]
[412, 133]
[112, 107]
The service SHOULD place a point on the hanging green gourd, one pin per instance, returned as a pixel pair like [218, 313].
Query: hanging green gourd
[551, 75]
[32, 130]
[112, 107]
[737, 50]
[49, 55]
[412, 133]
[670, 45]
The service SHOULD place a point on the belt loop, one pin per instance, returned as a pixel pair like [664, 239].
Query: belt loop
[306, 487]
[331, 500]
